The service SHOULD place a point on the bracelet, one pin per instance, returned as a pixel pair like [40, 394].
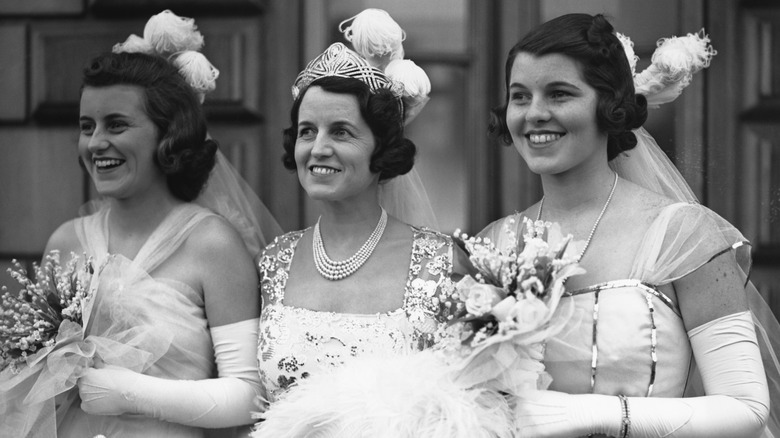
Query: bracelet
[625, 423]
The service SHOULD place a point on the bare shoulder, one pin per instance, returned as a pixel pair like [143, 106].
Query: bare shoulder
[213, 249]
[215, 235]
[219, 262]
[64, 239]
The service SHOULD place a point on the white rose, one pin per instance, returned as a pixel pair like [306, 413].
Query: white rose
[482, 298]
[529, 313]
[462, 286]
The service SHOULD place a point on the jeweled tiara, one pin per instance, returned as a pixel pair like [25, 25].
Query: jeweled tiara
[338, 60]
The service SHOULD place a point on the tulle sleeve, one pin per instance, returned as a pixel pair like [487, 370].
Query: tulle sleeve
[683, 238]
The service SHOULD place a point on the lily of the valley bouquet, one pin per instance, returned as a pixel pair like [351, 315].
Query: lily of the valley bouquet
[502, 315]
[48, 306]
[41, 334]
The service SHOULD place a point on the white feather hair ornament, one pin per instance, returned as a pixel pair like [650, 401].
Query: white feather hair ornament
[628, 47]
[413, 78]
[176, 38]
[197, 71]
[375, 35]
[379, 39]
[674, 63]
[133, 44]
[168, 33]
[416, 85]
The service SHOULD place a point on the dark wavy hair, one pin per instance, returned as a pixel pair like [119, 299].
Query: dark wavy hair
[591, 41]
[185, 155]
[393, 154]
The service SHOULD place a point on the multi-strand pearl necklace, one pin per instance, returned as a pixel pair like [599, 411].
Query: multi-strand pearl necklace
[336, 270]
[595, 225]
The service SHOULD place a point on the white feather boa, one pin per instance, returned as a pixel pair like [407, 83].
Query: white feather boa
[383, 397]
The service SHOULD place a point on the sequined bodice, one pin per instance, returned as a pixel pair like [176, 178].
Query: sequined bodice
[295, 342]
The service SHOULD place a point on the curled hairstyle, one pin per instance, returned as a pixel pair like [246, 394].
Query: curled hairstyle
[184, 154]
[591, 42]
[393, 154]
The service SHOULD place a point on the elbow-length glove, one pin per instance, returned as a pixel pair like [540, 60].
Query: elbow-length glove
[211, 403]
[736, 403]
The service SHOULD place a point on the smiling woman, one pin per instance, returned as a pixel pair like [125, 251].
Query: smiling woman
[345, 140]
[551, 118]
[668, 335]
[334, 147]
[361, 282]
[118, 142]
[171, 323]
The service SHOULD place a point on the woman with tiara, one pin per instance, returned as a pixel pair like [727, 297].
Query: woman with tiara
[668, 337]
[365, 280]
[171, 326]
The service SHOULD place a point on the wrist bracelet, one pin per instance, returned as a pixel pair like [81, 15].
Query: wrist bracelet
[625, 423]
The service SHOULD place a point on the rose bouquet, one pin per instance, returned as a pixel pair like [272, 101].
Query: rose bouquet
[502, 315]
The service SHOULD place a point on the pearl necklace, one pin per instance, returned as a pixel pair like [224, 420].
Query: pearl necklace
[336, 270]
[595, 225]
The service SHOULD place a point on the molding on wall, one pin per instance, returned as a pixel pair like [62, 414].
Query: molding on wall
[13, 74]
[188, 8]
[41, 7]
[59, 50]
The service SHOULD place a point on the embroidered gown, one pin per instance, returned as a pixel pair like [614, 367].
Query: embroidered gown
[626, 336]
[162, 320]
[295, 343]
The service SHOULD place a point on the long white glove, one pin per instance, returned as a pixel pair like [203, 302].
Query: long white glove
[736, 404]
[211, 403]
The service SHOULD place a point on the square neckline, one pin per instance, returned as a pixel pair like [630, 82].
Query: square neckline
[390, 313]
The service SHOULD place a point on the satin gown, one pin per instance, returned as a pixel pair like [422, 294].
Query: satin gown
[626, 336]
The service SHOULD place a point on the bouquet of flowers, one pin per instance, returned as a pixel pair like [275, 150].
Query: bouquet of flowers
[502, 315]
[499, 319]
[42, 342]
[32, 318]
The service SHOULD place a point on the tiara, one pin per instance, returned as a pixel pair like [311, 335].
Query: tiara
[377, 60]
[337, 60]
